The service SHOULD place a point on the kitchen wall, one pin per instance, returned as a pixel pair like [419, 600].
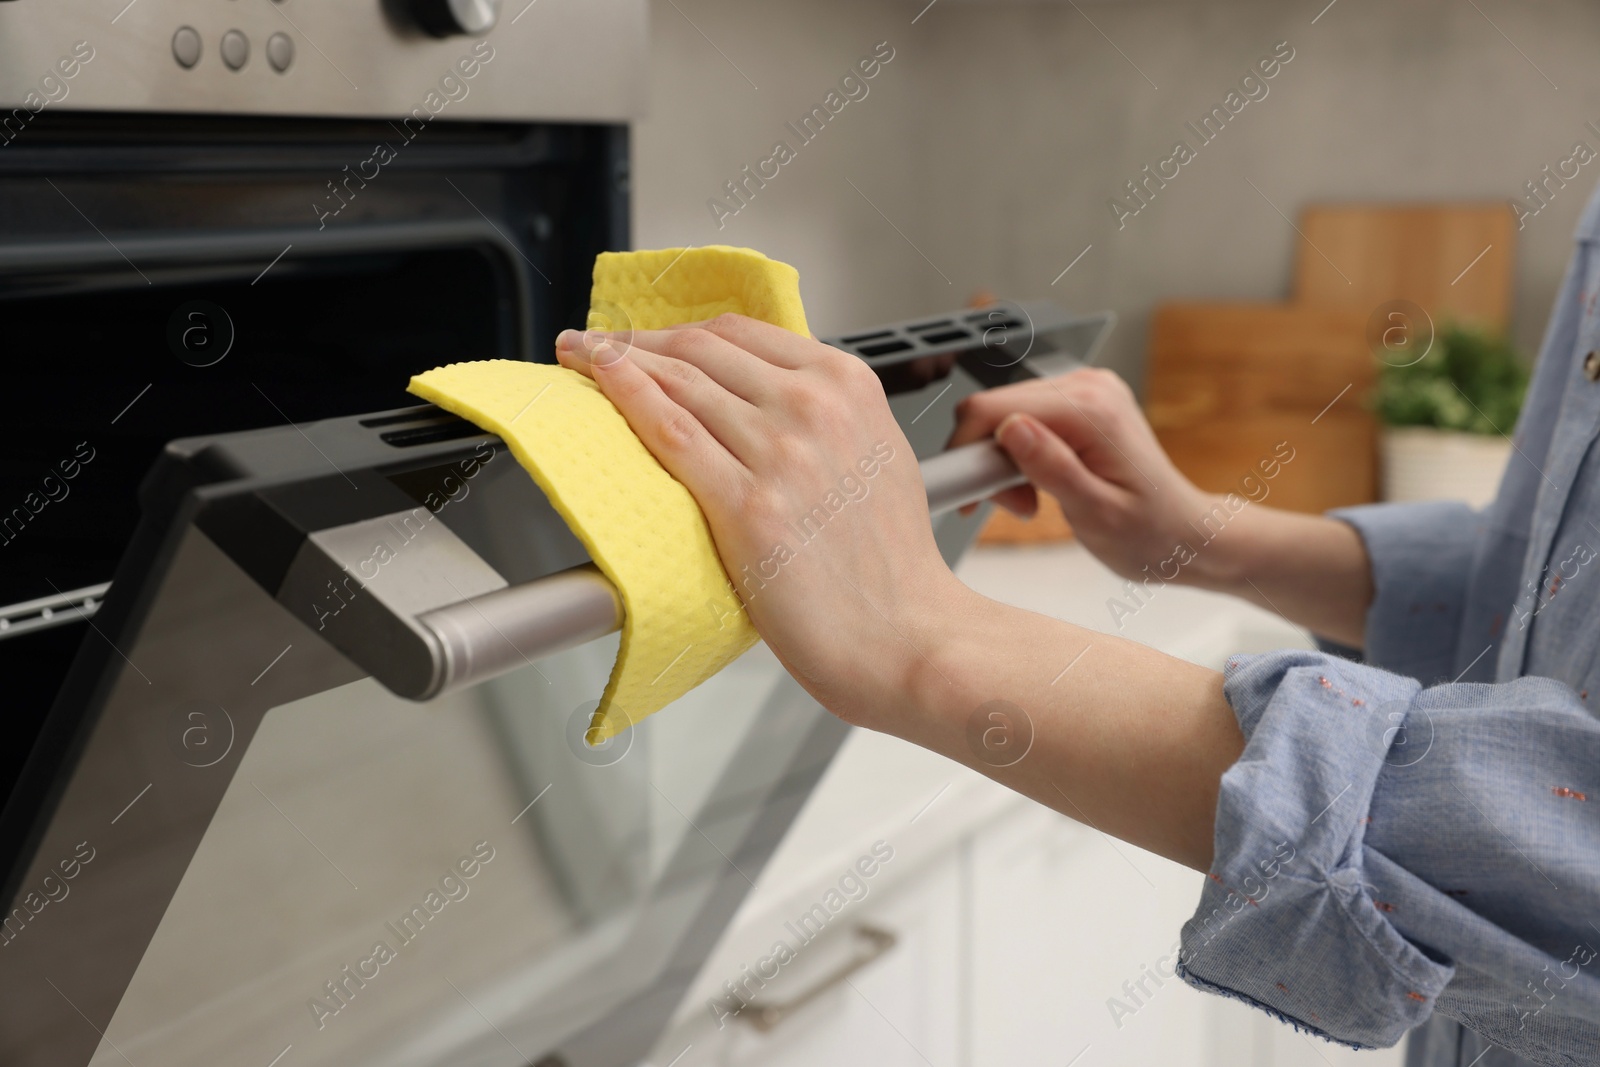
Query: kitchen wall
[722, 90]
[985, 152]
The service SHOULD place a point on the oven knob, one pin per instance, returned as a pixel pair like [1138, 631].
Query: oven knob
[445, 18]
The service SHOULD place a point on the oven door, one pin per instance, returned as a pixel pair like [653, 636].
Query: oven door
[235, 845]
[253, 849]
[232, 844]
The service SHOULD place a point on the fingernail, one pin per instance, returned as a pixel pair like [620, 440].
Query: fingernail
[604, 354]
[584, 343]
[1015, 434]
[590, 346]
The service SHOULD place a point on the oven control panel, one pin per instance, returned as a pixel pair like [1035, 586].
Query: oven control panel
[460, 59]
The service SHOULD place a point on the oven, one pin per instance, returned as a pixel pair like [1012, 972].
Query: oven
[234, 830]
[195, 242]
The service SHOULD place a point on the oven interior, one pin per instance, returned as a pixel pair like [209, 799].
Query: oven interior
[164, 276]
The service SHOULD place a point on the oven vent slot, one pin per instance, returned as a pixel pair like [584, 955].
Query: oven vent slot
[434, 432]
[427, 425]
[988, 323]
[416, 414]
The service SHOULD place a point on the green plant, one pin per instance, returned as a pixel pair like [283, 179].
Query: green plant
[1469, 380]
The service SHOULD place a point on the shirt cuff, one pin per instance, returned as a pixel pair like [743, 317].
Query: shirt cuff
[1421, 558]
[1285, 921]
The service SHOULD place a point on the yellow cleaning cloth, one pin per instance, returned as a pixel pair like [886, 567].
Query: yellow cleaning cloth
[670, 286]
[682, 621]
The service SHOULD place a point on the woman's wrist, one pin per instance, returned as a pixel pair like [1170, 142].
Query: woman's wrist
[908, 659]
[1212, 549]
[1219, 542]
[1311, 569]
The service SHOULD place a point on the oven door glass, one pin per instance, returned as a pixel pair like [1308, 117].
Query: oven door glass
[458, 882]
[255, 850]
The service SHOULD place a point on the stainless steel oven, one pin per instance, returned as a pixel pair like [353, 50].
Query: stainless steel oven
[195, 242]
[229, 232]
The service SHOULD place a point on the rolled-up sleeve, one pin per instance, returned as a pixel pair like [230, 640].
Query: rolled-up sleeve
[1384, 851]
[1421, 555]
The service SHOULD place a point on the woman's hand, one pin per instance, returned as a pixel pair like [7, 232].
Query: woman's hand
[1082, 438]
[812, 493]
[818, 510]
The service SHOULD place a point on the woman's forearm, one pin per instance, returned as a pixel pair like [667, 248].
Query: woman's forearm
[762, 424]
[1106, 731]
[1312, 570]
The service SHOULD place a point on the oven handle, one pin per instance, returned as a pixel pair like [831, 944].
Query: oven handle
[483, 636]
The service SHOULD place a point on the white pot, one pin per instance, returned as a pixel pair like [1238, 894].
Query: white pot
[1422, 463]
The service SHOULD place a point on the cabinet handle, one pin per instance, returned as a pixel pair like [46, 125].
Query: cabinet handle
[764, 1016]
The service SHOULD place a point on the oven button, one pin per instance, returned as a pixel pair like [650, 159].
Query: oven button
[280, 52]
[444, 18]
[235, 49]
[186, 47]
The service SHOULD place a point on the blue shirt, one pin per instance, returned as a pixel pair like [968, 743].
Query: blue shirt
[1414, 840]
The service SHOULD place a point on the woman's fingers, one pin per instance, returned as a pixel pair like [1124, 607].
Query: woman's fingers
[679, 440]
[1092, 411]
[736, 370]
[1044, 424]
[773, 344]
[746, 344]
[1022, 501]
[733, 421]
[1052, 465]
[732, 373]
[978, 415]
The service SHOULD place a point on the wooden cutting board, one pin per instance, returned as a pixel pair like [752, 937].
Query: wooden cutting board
[1453, 260]
[1225, 383]
[1228, 385]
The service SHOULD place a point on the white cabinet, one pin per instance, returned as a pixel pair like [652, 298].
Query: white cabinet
[903, 1009]
[1074, 938]
[1031, 940]
[1074, 941]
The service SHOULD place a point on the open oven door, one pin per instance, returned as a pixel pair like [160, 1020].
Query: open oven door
[233, 844]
